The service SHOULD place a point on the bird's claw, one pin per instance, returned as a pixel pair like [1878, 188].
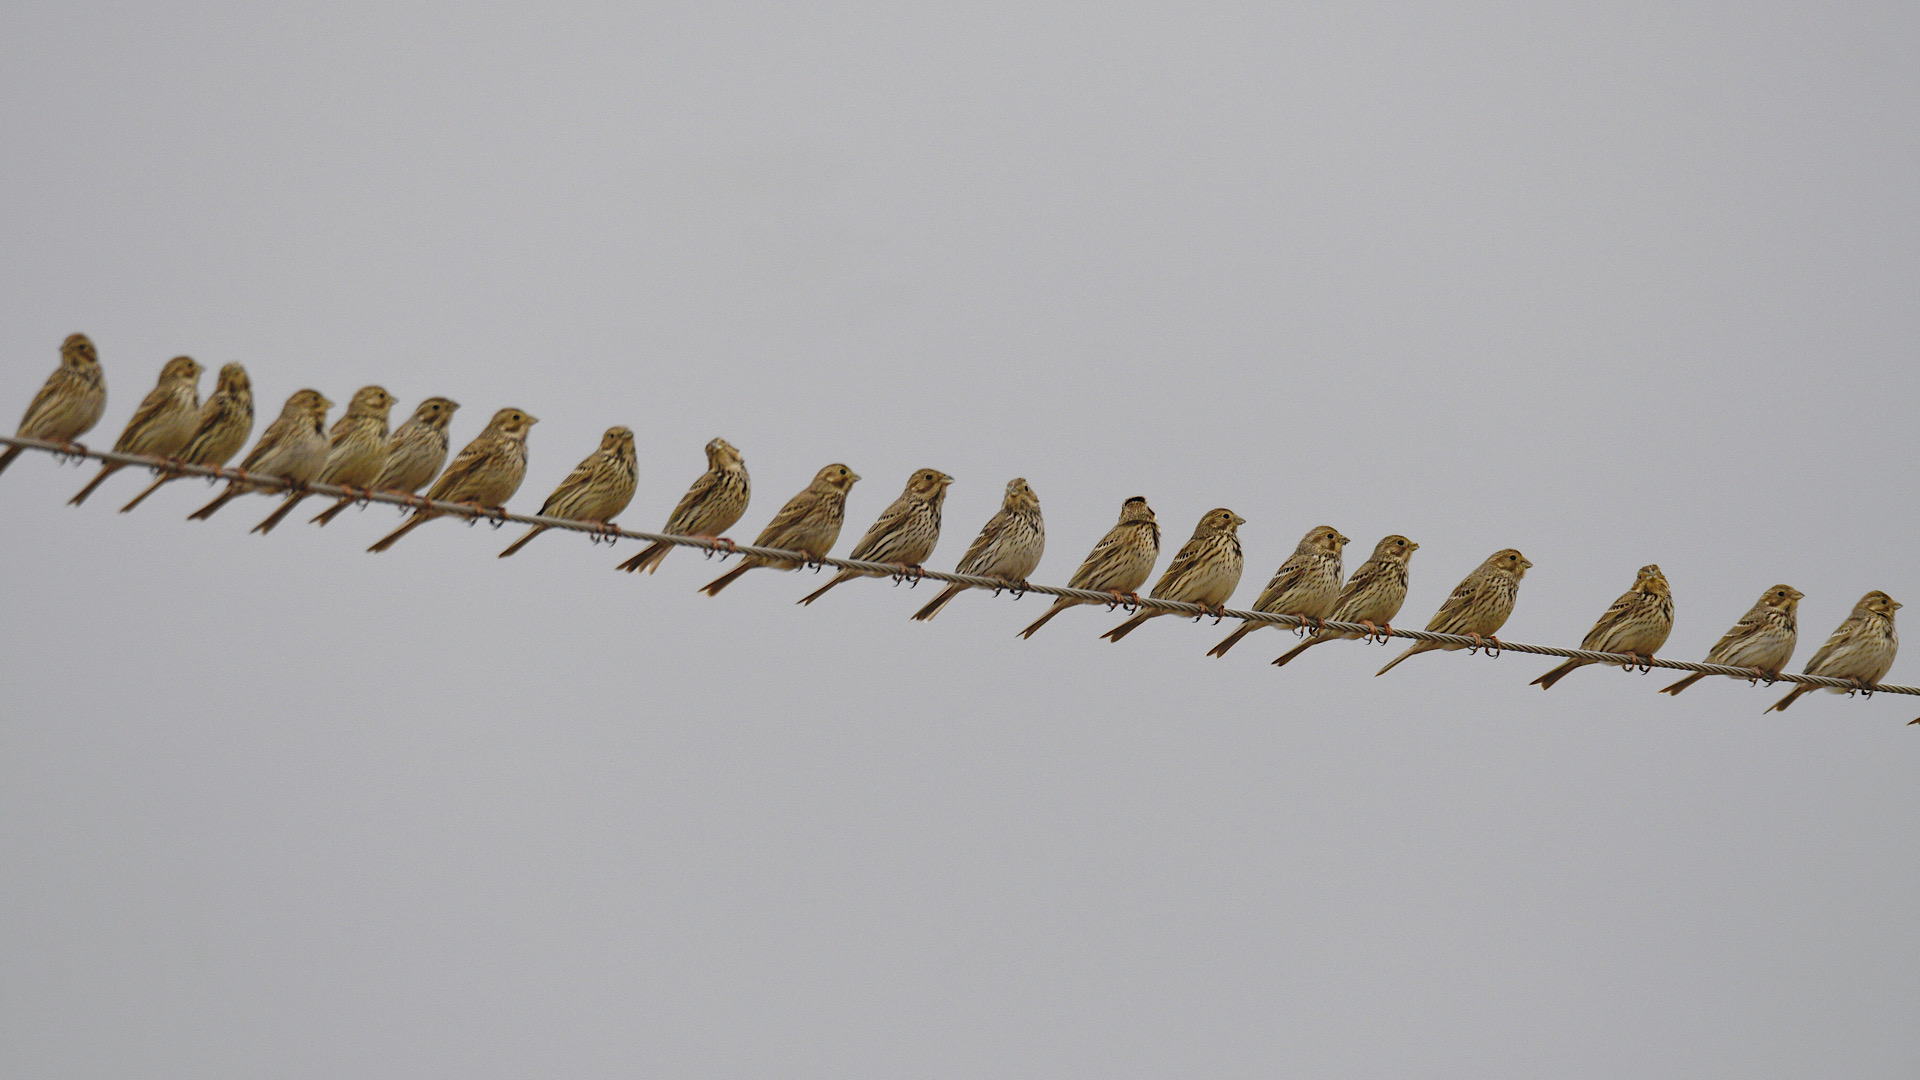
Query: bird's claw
[1018, 588]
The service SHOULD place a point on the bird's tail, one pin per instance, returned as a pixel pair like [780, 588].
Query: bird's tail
[938, 602]
[1234, 638]
[1130, 625]
[1792, 696]
[1298, 649]
[331, 512]
[1059, 606]
[1418, 647]
[151, 488]
[648, 559]
[1545, 682]
[712, 588]
[233, 491]
[106, 469]
[1683, 683]
[280, 515]
[6, 459]
[524, 541]
[844, 575]
[419, 518]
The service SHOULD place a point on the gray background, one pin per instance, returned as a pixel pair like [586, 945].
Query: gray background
[1613, 286]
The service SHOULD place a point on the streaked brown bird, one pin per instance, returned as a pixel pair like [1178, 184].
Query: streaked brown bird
[595, 491]
[1636, 624]
[1307, 584]
[1205, 572]
[163, 422]
[221, 430]
[293, 448]
[1372, 596]
[905, 533]
[709, 508]
[1478, 607]
[1861, 651]
[414, 454]
[1119, 564]
[809, 523]
[1762, 641]
[356, 448]
[69, 402]
[1008, 547]
[485, 474]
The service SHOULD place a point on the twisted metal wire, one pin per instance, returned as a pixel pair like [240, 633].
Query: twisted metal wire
[609, 533]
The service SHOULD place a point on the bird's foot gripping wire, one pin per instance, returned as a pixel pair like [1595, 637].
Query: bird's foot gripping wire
[725, 545]
[603, 532]
[1489, 645]
[71, 452]
[1637, 664]
[1017, 588]
[909, 574]
[812, 561]
[1860, 688]
[1761, 675]
[1376, 635]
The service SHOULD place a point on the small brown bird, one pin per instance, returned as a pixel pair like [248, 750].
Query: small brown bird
[69, 403]
[413, 456]
[163, 422]
[1205, 572]
[1637, 625]
[293, 448]
[1307, 584]
[356, 448]
[596, 490]
[1761, 641]
[1478, 607]
[1372, 596]
[1008, 547]
[905, 533]
[808, 523]
[1120, 563]
[1860, 651]
[485, 474]
[220, 431]
[709, 508]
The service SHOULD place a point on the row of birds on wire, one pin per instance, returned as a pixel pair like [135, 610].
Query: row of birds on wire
[359, 451]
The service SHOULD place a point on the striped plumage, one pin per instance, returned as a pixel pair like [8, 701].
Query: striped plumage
[163, 422]
[905, 533]
[413, 456]
[1205, 572]
[1478, 607]
[221, 430]
[1120, 563]
[1636, 624]
[69, 402]
[709, 508]
[356, 448]
[596, 490]
[293, 447]
[1762, 641]
[486, 474]
[1861, 650]
[809, 522]
[1372, 596]
[1307, 584]
[1008, 547]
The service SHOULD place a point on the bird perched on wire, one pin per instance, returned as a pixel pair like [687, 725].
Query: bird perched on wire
[595, 491]
[1372, 596]
[484, 475]
[413, 455]
[292, 448]
[809, 523]
[1205, 571]
[1008, 547]
[1636, 624]
[1762, 641]
[69, 402]
[161, 425]
[356, 448]
[1119, 564]
[1478, 607]
[225, 421]
[1307, 584]
[905, 532]
[709, 508]
[1861, 651]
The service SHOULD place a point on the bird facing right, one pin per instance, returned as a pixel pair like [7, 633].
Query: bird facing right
[1372, 596]
[1636, 624]
[1205, 572]
[1008, 547]
[69, 403]
[413, 454]
[485, 475]
[1307, 584]
[709, 508]
[163, 422]
[1762, 641]
[219, 432]
[1119, 564]
[1861, 651]
[293, 448]
[809, 523]
[596, 490]
[1478, 606]
[906, 530]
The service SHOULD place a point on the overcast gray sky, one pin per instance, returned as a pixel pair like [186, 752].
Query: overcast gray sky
[1612, 285]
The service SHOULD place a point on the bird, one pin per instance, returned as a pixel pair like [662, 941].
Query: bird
[595, 491]
[1205, 571]
[161, 425]
[1861, 651]
[356, 448]
[293, 448]
[709, 508]
[1372, 596]
[809, 523]
[484, 475]
[1478, 607]
[1008, 548]
[1762, 641]
[905, 532]
[1307, 584]
[1119, 564]
[69, 403]
[221, 429]
[1637, 625]
[413, 454]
